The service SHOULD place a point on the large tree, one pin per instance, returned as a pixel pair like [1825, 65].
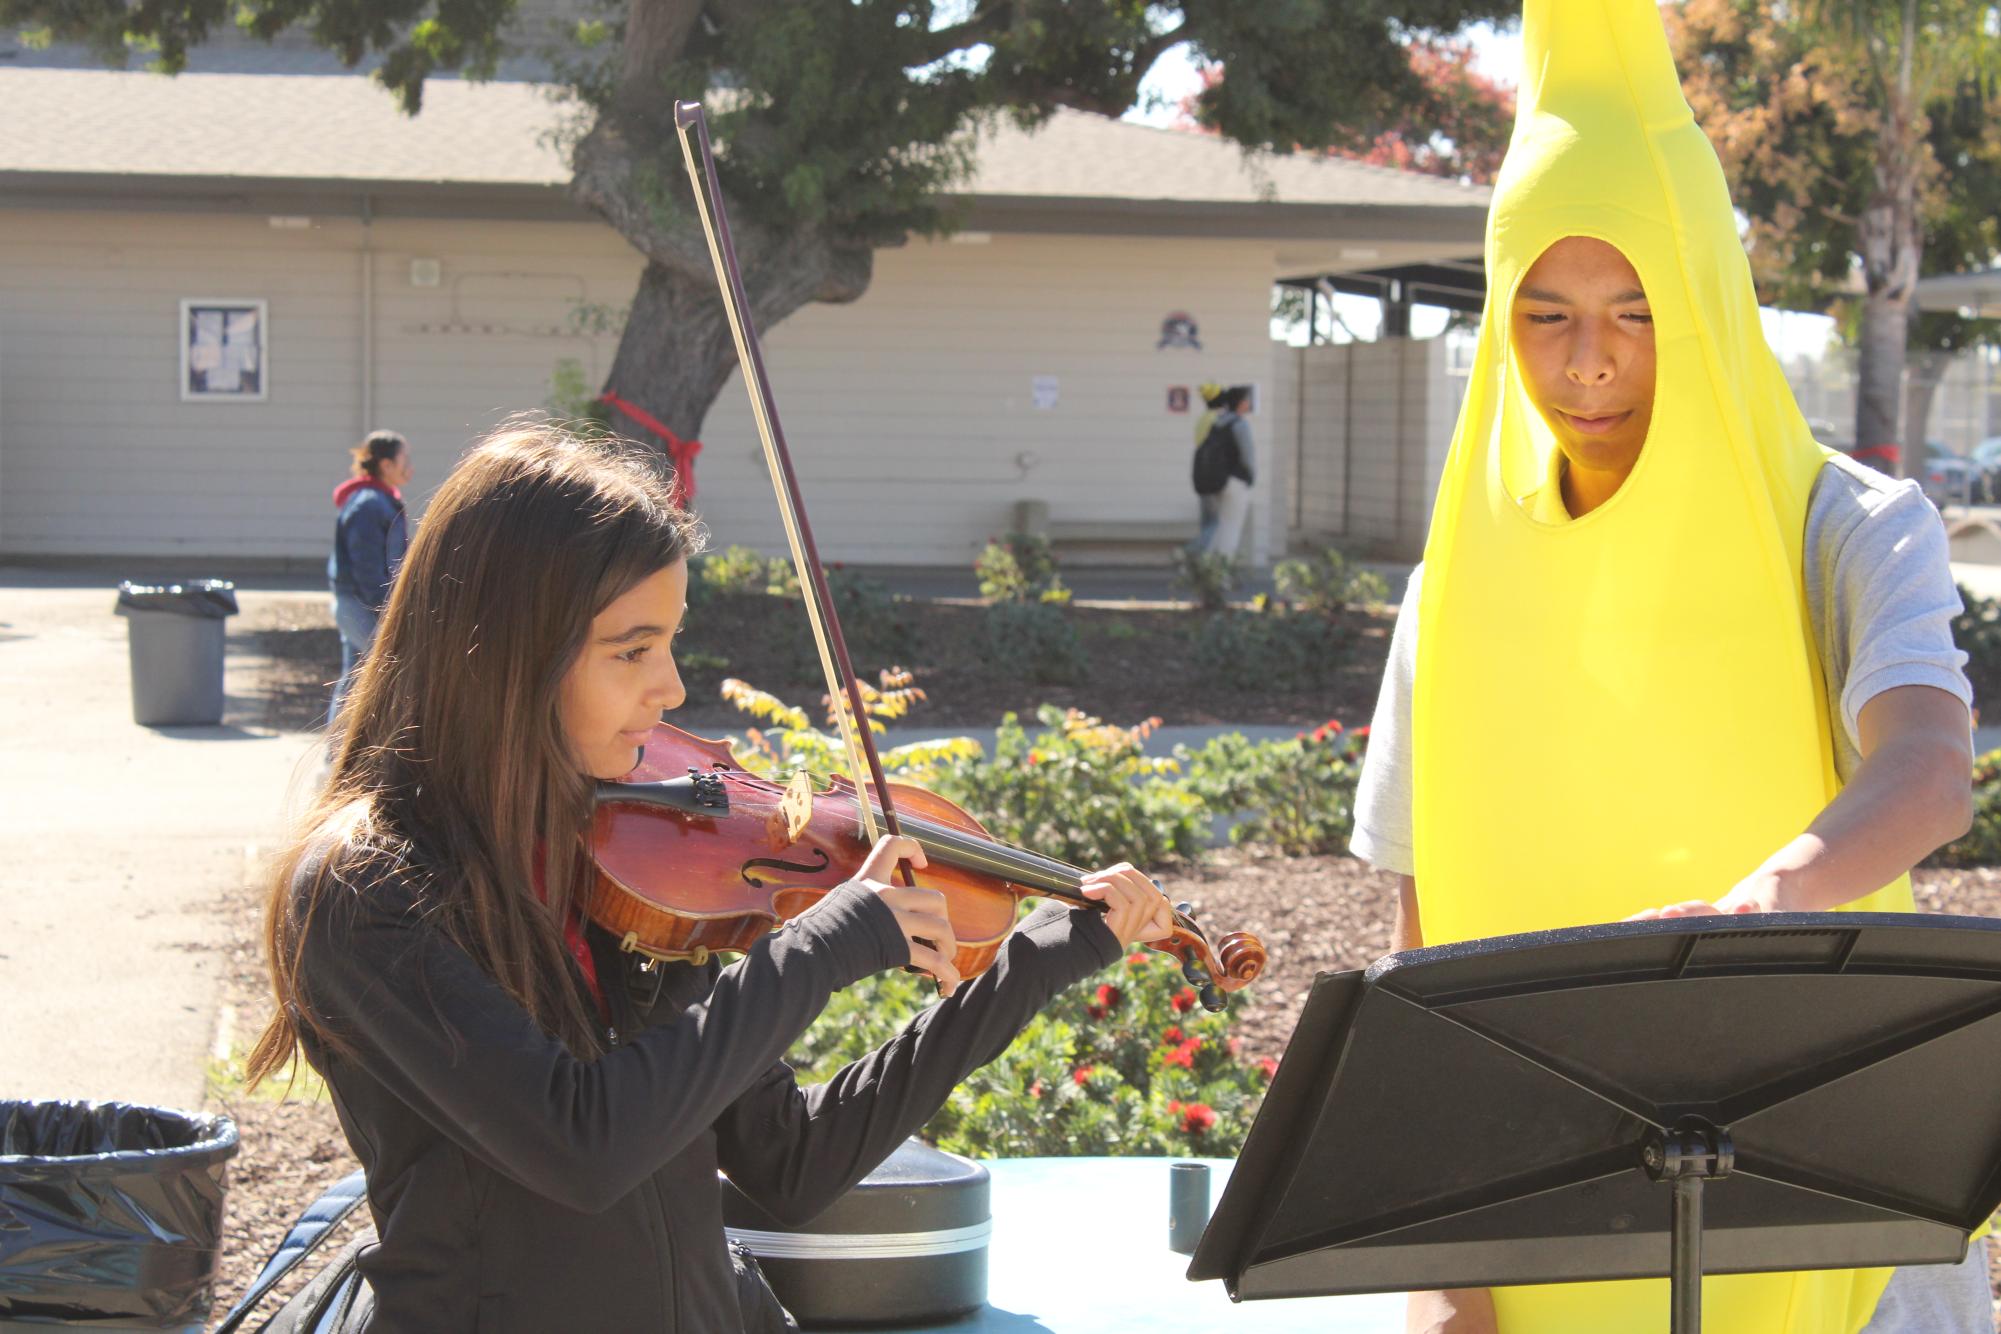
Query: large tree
[1859, 137]
[841, 124]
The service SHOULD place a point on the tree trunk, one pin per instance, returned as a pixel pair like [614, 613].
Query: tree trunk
[676, 352]
[1927, 371]
[1890, 240]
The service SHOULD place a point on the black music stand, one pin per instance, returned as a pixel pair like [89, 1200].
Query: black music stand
[1505, 1111]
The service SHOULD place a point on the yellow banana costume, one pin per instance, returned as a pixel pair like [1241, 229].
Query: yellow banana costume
[1624, 710]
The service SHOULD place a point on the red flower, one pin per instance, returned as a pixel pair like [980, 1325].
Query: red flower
[1268, 1066]
[1197, 1117]
[1235, 1046]
[1172, 1035]
[1108, 1000]
[1034, 757]
[1136, 957]
[1360, 731]
[1184, 1055]
[1082, 1074]
[1184, 1000]
[1035, 1089]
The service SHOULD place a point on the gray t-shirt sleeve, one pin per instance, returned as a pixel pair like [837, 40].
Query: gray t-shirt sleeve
[1888, 591]
[1382, 835]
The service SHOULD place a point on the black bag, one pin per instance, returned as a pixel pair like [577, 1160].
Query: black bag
[1214, 457]
[338, 1300]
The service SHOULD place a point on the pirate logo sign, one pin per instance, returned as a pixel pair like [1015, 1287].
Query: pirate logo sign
[1178, 330]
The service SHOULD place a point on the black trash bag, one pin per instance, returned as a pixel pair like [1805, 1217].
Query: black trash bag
[211, 599]
[111, 1213]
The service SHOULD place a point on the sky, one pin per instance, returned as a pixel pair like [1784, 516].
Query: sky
[1496, 53]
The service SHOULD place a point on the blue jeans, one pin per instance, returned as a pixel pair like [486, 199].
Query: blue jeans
[356, 622]
[1212, 513]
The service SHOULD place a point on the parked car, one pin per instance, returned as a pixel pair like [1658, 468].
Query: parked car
[1948, 478]
[1945, 477]
[1986, 457]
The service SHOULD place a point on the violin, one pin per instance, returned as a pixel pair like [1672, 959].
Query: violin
[700, 855]
[695, 854]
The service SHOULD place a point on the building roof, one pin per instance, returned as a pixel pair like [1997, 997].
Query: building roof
[96, 122]
[329, 128]
[1978, 293]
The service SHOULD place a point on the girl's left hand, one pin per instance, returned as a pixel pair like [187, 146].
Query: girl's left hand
[1136, 910]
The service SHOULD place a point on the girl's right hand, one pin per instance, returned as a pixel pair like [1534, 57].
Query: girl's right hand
[920, 913]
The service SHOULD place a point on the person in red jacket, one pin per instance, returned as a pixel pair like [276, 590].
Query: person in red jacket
[541, 1121]
[371, 533]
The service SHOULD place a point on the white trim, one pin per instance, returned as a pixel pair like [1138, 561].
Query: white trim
[861, 1245]
[262, 307]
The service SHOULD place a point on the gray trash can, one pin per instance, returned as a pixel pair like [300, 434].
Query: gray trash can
[110, 1215]
[176, 633]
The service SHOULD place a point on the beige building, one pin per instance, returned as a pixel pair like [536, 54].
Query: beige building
[430, 275]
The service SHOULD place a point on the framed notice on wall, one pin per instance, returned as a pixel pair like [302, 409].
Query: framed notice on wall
[223, 353]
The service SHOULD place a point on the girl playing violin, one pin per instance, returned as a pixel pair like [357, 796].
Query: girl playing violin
[541, 1142]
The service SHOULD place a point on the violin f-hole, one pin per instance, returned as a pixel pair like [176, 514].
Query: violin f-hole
[776, 864]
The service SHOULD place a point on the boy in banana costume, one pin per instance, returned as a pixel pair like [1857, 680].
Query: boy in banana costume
[1665, 655]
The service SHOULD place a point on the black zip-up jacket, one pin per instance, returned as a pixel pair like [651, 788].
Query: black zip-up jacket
[516, 1187]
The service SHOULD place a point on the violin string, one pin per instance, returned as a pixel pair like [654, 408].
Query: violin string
[1008, 860]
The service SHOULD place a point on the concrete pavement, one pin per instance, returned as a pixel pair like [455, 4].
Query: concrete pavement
[117, 843]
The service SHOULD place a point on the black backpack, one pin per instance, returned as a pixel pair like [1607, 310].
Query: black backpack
[1214, 456]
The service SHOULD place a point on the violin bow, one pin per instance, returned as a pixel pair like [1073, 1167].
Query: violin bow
[693, 128]
[1242, 956]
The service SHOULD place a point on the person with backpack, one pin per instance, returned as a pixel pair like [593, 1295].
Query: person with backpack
[370, 536]
[1208, 503]
[1222, 474]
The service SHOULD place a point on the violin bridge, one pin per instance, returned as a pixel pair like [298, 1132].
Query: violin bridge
[796, 807]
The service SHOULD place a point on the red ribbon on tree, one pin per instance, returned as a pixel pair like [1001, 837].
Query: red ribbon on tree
[682, 452]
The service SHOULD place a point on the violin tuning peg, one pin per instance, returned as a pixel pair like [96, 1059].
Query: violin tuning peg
[1212, 999]
[1186, 910]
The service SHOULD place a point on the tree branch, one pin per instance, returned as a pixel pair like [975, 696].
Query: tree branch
[987, 23]
[656, 32]
[1155, 47]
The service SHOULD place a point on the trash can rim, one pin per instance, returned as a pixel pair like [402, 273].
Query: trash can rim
[219, 1139]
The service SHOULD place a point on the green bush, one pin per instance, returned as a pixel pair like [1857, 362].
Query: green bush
[1035, 641]
[1124, 1063]
[735, 571]
[1020, 567]
[1080, 791]
[1207, 577]
[1977, 631]
[1270, 645]
[871, 617]
[1297, 796]
[1327, 585]
[1980, 845]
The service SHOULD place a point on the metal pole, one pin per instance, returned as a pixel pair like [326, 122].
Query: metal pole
[1685, 1269]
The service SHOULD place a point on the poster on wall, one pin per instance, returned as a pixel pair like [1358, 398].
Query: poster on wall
[223, 351]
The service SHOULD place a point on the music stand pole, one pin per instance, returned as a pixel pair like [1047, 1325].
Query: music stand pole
[1692, 1153]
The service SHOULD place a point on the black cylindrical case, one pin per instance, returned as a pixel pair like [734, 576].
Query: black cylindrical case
[907, 1244]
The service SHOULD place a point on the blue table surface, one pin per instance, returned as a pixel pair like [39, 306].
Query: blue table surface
[1080, 1247]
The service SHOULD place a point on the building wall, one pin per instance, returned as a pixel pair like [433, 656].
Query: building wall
[911, 413]
[1375, 424]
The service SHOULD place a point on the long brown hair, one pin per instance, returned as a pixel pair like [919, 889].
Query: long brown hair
[451, 772]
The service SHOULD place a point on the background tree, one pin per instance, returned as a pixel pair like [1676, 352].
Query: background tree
[1457, 126]
[1858, 135]
[840, 123]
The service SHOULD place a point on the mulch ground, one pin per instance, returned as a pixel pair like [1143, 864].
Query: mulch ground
[1137, 659]
[1313, 914]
